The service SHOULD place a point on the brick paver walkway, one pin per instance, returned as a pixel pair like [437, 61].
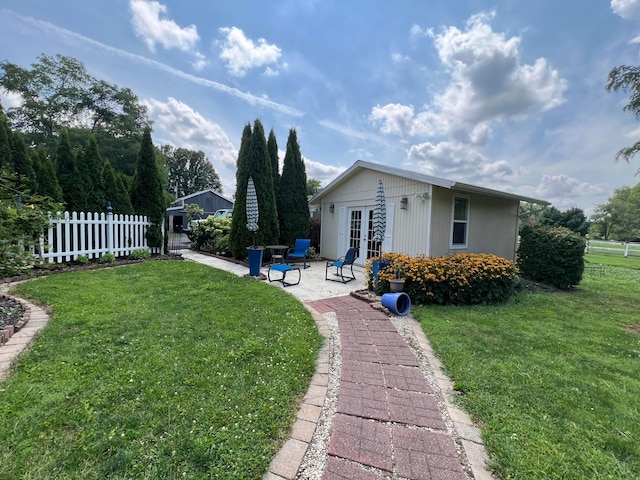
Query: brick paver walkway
[388, 422]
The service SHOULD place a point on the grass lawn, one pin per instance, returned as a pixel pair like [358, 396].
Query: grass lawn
[552, 378]
[156, 370]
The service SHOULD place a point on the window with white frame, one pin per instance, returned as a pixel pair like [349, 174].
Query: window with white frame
[460, 222]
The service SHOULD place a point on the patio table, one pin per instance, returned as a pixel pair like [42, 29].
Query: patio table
[277, 253]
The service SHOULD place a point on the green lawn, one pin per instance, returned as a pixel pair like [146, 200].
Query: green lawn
[156, 370]
[552, 378]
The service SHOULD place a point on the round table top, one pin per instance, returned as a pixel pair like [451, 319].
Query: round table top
[277, 247]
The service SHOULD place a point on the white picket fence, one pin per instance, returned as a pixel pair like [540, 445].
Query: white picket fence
[93, 234]
[625, 249]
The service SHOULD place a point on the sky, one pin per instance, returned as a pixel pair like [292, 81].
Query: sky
[503, 94]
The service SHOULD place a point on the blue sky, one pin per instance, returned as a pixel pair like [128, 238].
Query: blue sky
[503, 94]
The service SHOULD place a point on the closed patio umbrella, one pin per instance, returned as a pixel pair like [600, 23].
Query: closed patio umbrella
[380, 216]
[252, 209]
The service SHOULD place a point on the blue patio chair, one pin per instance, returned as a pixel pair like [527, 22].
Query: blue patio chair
[300, 250]
[340, 264]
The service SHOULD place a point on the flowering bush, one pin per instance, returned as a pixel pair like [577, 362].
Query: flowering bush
[461, 279]
[212, 235]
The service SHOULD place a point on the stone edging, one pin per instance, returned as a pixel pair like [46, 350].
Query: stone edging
[9, 330]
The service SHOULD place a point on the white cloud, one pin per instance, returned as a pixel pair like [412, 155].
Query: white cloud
[191, 130]
[488, 83]
[627, 9]
[241, 54]
[395, 118]
[153, 29]
[139, 59]
[488, 80]
[320, 171]
[562, 191]
[9, 99]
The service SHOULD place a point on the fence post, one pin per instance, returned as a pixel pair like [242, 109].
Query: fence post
[109, 228]
[626, 249]
[162, 244]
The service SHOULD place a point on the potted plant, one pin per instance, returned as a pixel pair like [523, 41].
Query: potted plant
[397, 284]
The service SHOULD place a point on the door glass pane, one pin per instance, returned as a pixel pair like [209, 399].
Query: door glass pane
[372, 247]
[355, 228]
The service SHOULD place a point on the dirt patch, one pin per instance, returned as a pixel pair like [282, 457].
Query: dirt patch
[633, 328]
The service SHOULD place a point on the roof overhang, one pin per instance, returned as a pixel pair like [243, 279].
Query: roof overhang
[411, 175]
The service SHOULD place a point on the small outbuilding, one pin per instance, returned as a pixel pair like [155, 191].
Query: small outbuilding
[424, 215]
[209, 200]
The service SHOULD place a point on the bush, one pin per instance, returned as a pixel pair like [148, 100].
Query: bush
[107, 258]
[462, 279]
[82, 260]
[140, 254]
[212, 235]
[154, 236]
[551, 255]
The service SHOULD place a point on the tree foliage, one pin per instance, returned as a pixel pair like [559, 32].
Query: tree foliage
[58, 93]
[619, 218]
[574, 218]
[313, 186]
[254, 161]
[147, 194]
[189, 171]
[293, 203]
[626, 78]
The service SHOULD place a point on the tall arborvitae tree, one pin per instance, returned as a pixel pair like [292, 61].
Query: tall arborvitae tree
[5, 141]
[47, 180]
[147, 194]
[239, 236]
[69, 177]
[293, 203]
[115, 191]
[260, 170]
[22, 164]
[272, 147]
[92, 166]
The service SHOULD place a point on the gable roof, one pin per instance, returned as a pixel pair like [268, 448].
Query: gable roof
[215, 192]
[411, 175]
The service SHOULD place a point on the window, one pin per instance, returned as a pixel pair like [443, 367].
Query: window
[460, 222]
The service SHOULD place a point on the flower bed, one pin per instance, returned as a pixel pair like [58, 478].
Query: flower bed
[461, 279]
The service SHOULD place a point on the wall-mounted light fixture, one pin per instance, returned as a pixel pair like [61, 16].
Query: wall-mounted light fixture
[332, 207]
[403, 203]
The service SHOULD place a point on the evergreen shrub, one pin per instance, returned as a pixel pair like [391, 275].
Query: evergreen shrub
[461, 279]
[551, 255]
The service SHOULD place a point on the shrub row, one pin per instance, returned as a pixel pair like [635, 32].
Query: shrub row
[461, 279]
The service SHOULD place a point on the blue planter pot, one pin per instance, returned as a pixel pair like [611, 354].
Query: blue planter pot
[398, 303]
[255, 261]
[376, 267]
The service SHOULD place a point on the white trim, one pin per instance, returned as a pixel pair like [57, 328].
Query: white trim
[459, 246]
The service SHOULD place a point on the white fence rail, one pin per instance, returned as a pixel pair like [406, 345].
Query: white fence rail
[625, 249]
[92, 234]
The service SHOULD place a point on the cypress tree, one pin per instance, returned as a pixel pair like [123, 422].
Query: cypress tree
[47, 180]
[92, 166]
[239, 237]
[272, 147]
[115, 191]
[293, 203]
[260, 170]
[22, 164]
[147, 194]
[69, 178]
[5, 141]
